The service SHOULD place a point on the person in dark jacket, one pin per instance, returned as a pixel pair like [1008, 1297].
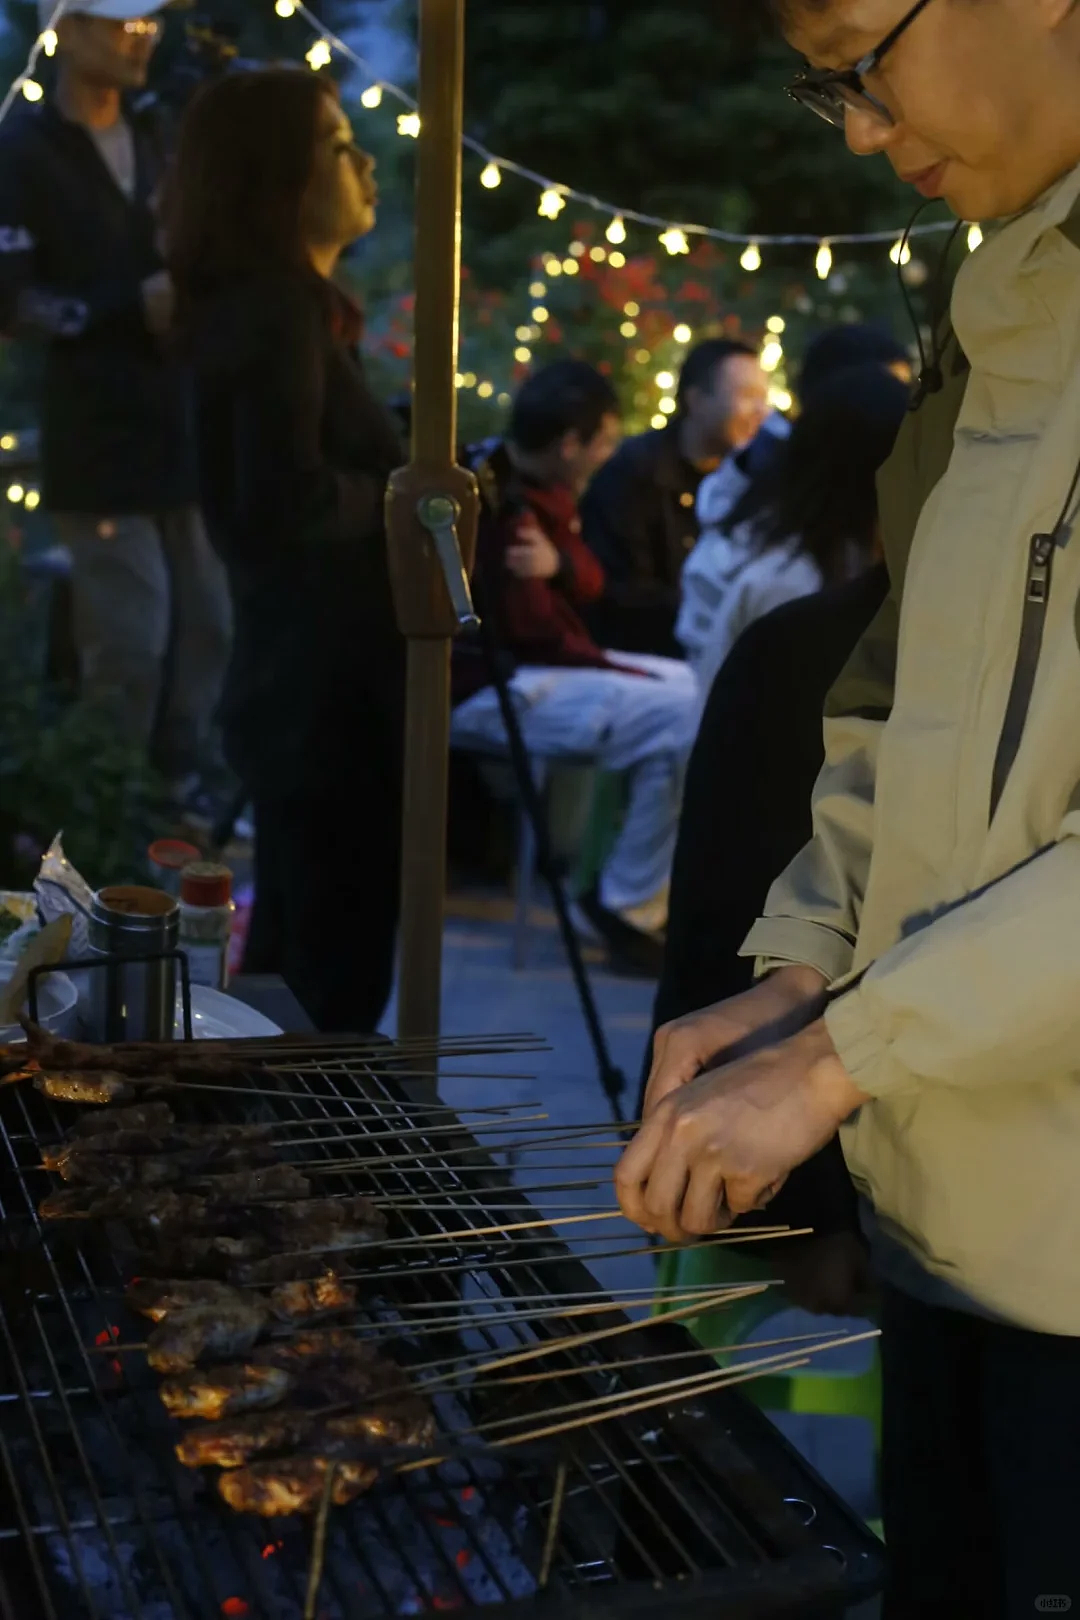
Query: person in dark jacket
[639, 512]
[746, 812]
[534, 576]
[80, 269]
[294, 456]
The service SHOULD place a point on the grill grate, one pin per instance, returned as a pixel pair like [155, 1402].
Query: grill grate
[656, 1512]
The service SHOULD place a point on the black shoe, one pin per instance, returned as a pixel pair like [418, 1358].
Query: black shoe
[630, 950]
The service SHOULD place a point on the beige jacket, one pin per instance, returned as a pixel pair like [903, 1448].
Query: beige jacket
[948, 877]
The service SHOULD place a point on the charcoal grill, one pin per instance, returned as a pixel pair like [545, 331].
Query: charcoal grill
[696, 1507]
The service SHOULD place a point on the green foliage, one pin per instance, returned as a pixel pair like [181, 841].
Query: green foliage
[63, 764]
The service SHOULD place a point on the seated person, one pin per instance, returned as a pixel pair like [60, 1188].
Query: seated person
[533, 576]
[837, 348]
[746, 813]
[809, 519]
[639, 512]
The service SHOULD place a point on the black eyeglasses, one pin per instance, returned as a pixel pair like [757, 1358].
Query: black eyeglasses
[832, 94]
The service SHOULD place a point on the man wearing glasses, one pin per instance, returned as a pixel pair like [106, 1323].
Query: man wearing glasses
[80, 269]
[926, 943]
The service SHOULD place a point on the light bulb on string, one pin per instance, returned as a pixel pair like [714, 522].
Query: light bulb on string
[771, 355]
[668, 406]
[658, 421]
[371, 97]
[523, 355]
[537, 289]
[823, 262]
[900, 252]
[551, 203]
[616, 231]
[49, 42]
[285, 8]
[15, 493]
[974, 237]
[674, 239]
[319, 55]
[665, 379]
[597, 254]
[31, 89]
[541, 314]
[775, 323]
[632, 308]
[570, 267]
[616, 259]
[491, 176]
[750, 258]
[577, 250]
[409, 124]
[780, 399]
[682, 333]
[628, 329]
[485, 390]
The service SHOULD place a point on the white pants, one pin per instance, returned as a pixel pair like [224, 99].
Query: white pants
[641, 725]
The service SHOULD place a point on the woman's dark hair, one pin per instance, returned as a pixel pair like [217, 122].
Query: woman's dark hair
[243, 162]
[838, 348]
[822, 490]
[700, 366]
[568, 396]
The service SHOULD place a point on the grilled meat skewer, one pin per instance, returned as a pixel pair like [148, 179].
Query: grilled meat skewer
[396, 1417]
[155, 1118]
[223, 1330]
[111, 1171]
[292, 1302]
[325, 1367]
[227, 1200]
[132, 1142]
[99, 1086]
[294, 1485]
[134, 1058]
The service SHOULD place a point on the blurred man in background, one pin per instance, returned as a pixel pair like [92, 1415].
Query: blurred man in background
[639, 512]
[80, 269]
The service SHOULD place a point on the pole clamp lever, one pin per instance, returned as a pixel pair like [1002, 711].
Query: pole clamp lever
[439, 515]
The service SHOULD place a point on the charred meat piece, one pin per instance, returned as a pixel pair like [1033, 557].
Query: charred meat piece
[293, 1485]
[303, 1301]
[102, 1086]
[217, 1392]
[182, 1138]
[153, 1117]
[153, 1209]
[170, 1169]
[396, 1420]
[136, 1058]
[159, 1300]
[186, 1337]
[237, 1441]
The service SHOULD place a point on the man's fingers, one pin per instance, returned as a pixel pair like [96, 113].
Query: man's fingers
[744, 1193]
[632, 1173]
[666, 1189]
[676, 1061]
[704, 1207]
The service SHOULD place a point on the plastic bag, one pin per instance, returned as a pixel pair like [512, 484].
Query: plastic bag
[62, 891]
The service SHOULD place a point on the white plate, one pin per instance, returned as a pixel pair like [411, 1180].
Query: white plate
[218, 1017]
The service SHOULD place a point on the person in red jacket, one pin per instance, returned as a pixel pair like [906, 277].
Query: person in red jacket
[534, 574]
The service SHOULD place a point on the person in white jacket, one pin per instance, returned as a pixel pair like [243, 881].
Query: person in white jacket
[808, 519]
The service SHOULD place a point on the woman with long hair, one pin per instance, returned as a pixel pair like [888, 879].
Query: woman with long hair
[294, 454]
[809, 518]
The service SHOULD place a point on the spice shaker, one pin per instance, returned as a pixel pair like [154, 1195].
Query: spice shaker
[132, 999]
[206, 919]
[167, 858]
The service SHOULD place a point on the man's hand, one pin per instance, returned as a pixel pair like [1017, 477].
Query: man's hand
[531, 555]
[158, 302]
[682, 1048]
[725, 1143]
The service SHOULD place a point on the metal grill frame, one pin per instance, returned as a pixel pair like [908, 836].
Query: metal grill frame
[783, 1542]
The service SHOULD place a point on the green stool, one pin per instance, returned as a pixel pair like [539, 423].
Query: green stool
[818, 1392]
[601, 830]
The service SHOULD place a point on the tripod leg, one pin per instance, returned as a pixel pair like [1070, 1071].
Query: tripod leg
[612, 1079]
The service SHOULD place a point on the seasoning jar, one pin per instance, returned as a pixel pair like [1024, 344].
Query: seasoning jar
[206, 918]
[167, 858]
[132, 999]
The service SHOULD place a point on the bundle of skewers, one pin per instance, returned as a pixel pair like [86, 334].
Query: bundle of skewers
[268, 1332]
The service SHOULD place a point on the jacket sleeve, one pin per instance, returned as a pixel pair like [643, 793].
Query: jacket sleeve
[616, 512]
[581, 576]
[812, 912]
[284, 485]
[984, 993]
[41, 291]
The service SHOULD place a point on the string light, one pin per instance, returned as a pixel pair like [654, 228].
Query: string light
[642, 356]
[371, 97]
[674, 239]
[780, 399]
[551, 203]
[771, 355]
[658, 422]
[49, 42]
[900, 252]
[775, 323]
[537, 289]
[570, 267]
[15, 493]
[541, 314]
[974, 237]
[9, 442]
[664, 379]
[597, 254]
[31, 89]
[524, 334]
[750, 258]
[409, 124]
[682, 333]
[33, 500]
[616, 259]
[616, 231]
[491, 176]
[823, 262]
[628, 329]
[523, 354]
[504, 399]
[668, 405]
[319, 56]
[285, 8]
[577, 250]
[631, 309]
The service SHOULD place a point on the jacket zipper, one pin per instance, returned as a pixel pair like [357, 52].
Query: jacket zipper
[1032, 625]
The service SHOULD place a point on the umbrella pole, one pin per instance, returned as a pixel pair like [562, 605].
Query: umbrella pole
[431, 520]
